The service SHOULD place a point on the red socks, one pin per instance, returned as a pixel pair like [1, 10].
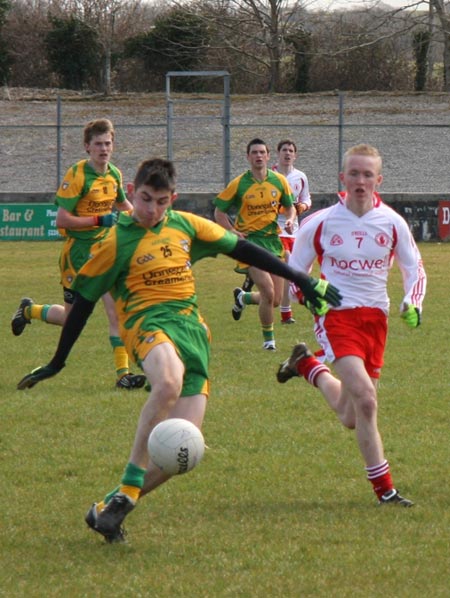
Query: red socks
[380, 478]
[310, 368]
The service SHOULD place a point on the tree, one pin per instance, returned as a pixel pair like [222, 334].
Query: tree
[27, 19]
[111, 20]
[73, 51]
[5, 56]
[441, 9]
[266, 45]
[421, 45]
[251, 30]
[441, 33]
[301, 41]
[359, 50]
[415, 13]
[177, 42]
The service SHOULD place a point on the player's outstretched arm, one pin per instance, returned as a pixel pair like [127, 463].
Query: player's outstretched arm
[74, 324]
[315, 291]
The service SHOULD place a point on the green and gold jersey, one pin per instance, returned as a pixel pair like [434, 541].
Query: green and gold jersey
[149, 268]
[256, 203]
[85, 192]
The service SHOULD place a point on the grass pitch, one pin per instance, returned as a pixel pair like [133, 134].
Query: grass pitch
[279, 507]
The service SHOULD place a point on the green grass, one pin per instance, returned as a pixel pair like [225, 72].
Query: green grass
[279, 507]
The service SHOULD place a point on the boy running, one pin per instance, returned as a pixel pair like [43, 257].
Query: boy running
[298, 182]
[257, 196]
[91, 189]
[356, 241]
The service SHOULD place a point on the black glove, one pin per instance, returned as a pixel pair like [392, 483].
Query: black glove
[38, 374]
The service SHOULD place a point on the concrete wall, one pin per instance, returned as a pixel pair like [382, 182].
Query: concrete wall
[420, 210]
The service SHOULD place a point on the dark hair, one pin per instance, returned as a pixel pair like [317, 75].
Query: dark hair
[157, 173]
[256, 141]
[286, 142]
[97, 127]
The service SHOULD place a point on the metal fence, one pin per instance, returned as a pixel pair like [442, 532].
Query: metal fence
[41, 140]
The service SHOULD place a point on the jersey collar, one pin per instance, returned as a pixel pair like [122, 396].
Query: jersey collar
[376, 199]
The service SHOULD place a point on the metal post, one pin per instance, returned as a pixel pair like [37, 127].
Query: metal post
[169, 125]
[341, 136]
[58, 142]
[226, 131]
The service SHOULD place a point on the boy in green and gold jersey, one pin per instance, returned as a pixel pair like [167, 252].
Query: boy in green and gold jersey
[146, 263]
[91, 190]
[257, 196]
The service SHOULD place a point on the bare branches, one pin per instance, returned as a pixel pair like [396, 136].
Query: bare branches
[268, 39]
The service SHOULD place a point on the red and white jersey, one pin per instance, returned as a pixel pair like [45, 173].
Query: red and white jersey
[355, 253]
[298, 182]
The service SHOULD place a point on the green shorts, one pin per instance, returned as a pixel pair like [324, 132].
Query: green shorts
[187, 333]
[74, 254]
[270, 242]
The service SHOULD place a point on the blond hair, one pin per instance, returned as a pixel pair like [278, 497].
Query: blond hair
[363, 149]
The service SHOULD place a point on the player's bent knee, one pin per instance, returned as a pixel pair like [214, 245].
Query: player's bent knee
[348, 421]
